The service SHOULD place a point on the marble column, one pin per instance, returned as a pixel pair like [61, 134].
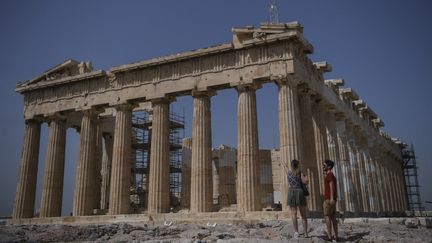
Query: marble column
[121, 161]
[358, 199]
[321, 147]
[381, 180]
[376, 183]
[26, 186]
[52, 191]
[186, 172]
[334, 156]
[362, 169]
[201, 180]
[159, 191]
[344, 162]
[85, 181]
[98, 166]
[308, 144]
[106, 170]
[248, 186]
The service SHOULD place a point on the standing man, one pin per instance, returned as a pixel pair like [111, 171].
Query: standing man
[330, 197]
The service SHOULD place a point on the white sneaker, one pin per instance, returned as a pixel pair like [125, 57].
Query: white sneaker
[296, 235]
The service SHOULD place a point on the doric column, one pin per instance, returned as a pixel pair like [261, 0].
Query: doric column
[321, 148]
[373, 199]
[85, 181]
[201, 180]
[401, 180]
[344, 162]
[159, 193]
[380, 176]
[356, 190]
[52, 191]
[121, 161]
[361, 169]
[248, 187]
[186, 172]
[334, 155]
[384, 181]
[106, 170]
[308, 144]
[98, 166]
[376, 182]
[26, 186]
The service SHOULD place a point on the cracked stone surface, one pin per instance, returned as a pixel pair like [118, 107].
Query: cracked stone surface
[265, 231]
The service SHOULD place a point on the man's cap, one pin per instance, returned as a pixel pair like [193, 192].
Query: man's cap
[294, 162]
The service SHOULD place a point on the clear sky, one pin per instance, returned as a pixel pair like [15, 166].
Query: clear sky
[383, 49]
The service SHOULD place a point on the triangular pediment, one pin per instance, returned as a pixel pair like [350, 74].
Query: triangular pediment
[68, 68]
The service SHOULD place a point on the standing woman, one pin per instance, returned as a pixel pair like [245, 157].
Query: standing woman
[296, 196]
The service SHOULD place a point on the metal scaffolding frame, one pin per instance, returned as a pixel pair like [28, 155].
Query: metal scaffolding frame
[411, 178]
[141, 145]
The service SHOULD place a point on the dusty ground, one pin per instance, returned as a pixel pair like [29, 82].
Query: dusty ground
[266, 231]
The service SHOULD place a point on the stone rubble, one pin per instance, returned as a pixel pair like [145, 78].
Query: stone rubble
[264, 231]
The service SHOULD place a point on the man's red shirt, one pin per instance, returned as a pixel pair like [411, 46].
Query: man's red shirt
[329, 178]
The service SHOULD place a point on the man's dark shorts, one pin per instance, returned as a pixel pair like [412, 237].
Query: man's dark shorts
[329, 210]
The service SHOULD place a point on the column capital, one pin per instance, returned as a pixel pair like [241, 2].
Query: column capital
[204, 93]
[304, 90]
[290, 80]
[163, 100]
[247, 87]
[58, 116]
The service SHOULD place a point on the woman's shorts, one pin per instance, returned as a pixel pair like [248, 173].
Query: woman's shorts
[296, 197]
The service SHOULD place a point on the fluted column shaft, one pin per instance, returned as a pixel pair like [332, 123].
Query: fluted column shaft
[248, 186]
[321, 148]
[308, 145]
[345, 165]
[334, 155]
[52, 191]
[201, 180]
[290, 130]
[85, 187]
[106, 170]
[121, 165]
[159, 198]
[362, 170]
[98, 167]
[356, 190]
[375, 183]
[26, 186]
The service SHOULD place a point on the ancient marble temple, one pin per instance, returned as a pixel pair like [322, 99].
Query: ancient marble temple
[318, 119]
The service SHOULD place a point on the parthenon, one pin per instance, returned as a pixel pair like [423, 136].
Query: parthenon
[318, 119]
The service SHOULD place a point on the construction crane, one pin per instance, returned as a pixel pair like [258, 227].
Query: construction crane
[274, 18]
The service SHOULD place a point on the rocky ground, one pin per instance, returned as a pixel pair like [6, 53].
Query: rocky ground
[266, 231]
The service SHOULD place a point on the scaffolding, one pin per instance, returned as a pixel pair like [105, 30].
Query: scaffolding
[411, 178]
[141, 145]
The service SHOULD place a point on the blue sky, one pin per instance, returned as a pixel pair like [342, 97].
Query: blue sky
[381, 48]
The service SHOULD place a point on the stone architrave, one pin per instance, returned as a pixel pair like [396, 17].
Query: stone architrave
[201, 179]
[121, 165]
[248, 187]
[26, 186]
[106, 170]
[290, 130]
[309, 163]
[85, 180]
[159, 191]
[52, 191]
